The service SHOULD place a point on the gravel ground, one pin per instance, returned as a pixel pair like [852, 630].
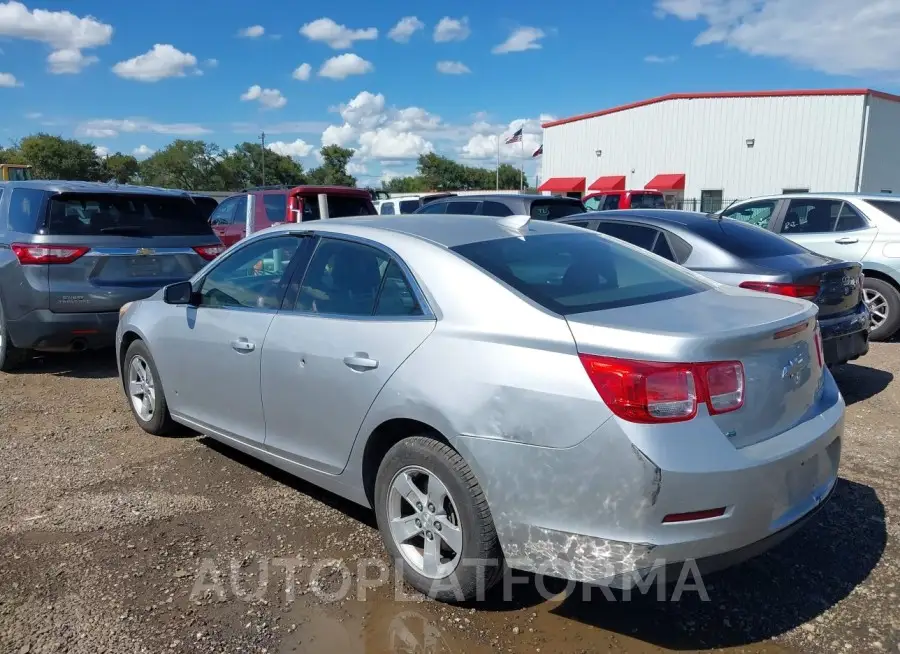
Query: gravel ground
[115, 541]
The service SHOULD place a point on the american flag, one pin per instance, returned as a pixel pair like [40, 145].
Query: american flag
[539, 151]
[515, 138]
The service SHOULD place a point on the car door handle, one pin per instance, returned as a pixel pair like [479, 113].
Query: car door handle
[243, 345]
[846, 240]
[360, 361]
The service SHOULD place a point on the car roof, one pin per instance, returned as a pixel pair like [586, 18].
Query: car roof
[503, 197]
[837, 195]
[67, 186]
[660, 217]
[311, 188]
[446, 230]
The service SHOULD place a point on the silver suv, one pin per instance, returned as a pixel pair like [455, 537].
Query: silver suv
[72, 253]
[846, 226]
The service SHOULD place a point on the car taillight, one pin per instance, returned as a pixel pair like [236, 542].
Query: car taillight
[803, 291]
[819, 354]
[29, 254]
[657, 392]
[209, 252]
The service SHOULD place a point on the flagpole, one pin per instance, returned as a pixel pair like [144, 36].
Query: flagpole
[499, 136]
[522, 166]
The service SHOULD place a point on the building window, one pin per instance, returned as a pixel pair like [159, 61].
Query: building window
[790, 191]
[710, 201]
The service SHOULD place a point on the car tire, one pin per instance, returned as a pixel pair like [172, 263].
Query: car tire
[888, 297]
[152, 413]
[423, 456]
[11, 357]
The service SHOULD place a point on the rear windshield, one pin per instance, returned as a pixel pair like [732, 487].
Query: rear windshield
[408, 206]
[555, 208]
[206, 204]
[574, 273]
[744, 240]
[647, 201]
[100, 214]
[890, 207]
[339, 206]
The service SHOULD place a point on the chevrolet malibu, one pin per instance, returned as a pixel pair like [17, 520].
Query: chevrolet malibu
[502, 392]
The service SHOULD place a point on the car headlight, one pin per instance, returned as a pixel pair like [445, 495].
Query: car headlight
[124, 308]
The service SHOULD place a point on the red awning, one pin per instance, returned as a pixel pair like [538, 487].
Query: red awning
[610, 183]
[563, 185]
[669, 182]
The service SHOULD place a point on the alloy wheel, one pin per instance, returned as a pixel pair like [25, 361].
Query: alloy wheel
[878, 307]
[141, 388]
[424, 522]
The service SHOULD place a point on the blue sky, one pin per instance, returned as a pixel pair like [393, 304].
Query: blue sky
[393, 80]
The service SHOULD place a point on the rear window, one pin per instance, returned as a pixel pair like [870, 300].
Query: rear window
[206, 204]
[558, 208]
[647, 201]
[339, 206]
[890, 207]
[744, 240]
[276, 206]
[100, 214]
[408, 206]
[574, 273]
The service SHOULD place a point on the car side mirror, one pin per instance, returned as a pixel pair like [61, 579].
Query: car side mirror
[179, 293]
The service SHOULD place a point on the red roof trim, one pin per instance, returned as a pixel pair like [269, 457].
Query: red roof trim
[608, 183]
[667, 182]
[725, 94]
[563, 185]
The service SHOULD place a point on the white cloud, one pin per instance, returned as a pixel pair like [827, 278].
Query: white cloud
[388, 175]
[101, 150]
[252, 32]
[405, 28]
[339, 37]
[483, 145]
[8, 80]
[342, 66]
[69, 61]
[365, 111]
[142, 152]
[341, 135]
[414, 118]
[108, 127]
[656, 59]
[833, 36]
[268, 98]
[302, 72]
[160, 62]
[452, 68]
[523, 38]
[65, 32]
[211, 63]
[355, 168]
[296, 149]
[387, 143]
[33, 115]
[452, 29]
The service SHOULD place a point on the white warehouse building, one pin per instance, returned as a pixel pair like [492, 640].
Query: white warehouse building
[709, 148]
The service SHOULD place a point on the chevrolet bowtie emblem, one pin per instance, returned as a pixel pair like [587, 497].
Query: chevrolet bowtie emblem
[145, 251]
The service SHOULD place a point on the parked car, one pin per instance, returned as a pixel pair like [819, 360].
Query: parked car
[852, 227]
[279, 204]
[458, 373]
[610, 200]
[407, 203]
[72, 253]
[733, 252]
[538, 207]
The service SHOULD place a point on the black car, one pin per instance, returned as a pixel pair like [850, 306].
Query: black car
[739, 254]
[539, 207]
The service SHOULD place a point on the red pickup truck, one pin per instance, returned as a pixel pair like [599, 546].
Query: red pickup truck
[274, 205]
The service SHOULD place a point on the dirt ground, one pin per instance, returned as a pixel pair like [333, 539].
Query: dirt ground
[115, 541]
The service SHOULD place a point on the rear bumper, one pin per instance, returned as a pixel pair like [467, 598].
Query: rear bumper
[49, 331]
[847, 337]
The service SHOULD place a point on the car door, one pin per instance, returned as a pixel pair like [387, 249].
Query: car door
[828, 226]
[211, 351]
[357, 316]
[222, 217]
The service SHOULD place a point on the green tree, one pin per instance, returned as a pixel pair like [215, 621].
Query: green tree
[412, 184]
[242, 167]
[121, 167]
[12, 154]
[333, 170]
[510, 177]
[185, 164]
[54, 157]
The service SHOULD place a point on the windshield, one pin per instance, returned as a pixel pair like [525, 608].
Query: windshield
[575, 273]
[83, 214]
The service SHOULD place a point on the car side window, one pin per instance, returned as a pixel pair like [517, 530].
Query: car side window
[810, 216]
[755, 213]
[593, 204]
[224, 213]
[434, 207]
[610, 202]
[490, 208]
[466, 208]
[240, 211]
[662, 247]
[643, 237]
[26, 207]
[396, 297]
[343, 279]
[849, 219]
[251, 277]
[387, 209]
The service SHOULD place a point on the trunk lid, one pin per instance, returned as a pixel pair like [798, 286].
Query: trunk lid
[782, 375]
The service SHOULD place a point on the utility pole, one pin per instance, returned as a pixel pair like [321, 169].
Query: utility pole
[263, 154]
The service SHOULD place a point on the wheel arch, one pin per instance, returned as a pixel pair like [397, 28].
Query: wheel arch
[882, 272]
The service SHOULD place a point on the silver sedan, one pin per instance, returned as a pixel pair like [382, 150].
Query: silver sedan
[503, 393]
